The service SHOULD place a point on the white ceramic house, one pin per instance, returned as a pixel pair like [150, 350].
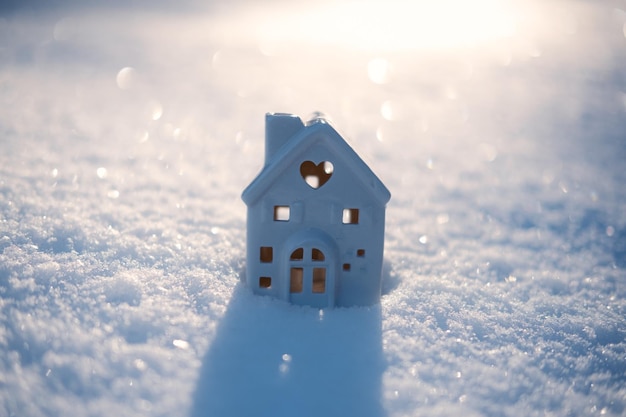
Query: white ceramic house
[316, 218]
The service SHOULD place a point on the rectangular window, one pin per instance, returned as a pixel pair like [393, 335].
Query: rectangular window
[360, 253]
[282, 213]
[267, 254]
[350, 216]
[265, 282]
[319, 280]
[346, 267]
[295, 280]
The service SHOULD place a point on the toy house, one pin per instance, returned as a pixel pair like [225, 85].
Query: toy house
[316, 218]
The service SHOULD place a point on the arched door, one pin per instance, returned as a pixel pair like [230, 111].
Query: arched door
[311, 276]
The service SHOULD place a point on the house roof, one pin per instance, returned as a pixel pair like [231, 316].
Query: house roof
[316, 131]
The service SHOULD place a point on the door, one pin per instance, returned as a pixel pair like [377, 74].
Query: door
[311, 276]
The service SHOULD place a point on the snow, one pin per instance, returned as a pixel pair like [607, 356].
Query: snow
[128, 134]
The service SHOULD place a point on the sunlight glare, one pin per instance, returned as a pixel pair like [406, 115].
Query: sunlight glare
[392, 25]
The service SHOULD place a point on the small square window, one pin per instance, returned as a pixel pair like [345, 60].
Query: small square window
[350, 216]
[346, 267]
[265, 282]
[282, 213]
[267, 254]
[360, 253]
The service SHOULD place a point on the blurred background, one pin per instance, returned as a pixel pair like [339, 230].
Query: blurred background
[450, 83]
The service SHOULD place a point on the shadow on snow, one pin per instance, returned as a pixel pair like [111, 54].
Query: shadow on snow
[272, 358]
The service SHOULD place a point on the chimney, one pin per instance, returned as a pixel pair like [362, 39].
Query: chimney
[279, 128]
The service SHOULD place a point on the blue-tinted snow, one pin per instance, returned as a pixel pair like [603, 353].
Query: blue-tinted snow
[126, 137]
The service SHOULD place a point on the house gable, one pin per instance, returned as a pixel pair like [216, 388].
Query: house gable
[297, 149]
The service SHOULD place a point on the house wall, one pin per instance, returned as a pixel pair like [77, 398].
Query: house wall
[359, 247]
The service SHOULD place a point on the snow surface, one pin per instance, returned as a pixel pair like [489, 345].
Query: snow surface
[127, 135]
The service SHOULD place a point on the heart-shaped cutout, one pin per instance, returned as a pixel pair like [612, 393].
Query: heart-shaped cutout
[316, 175]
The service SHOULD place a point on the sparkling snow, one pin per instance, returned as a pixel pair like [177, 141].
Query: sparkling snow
[127, 134]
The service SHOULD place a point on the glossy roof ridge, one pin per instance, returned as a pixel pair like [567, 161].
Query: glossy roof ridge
[297, 145]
